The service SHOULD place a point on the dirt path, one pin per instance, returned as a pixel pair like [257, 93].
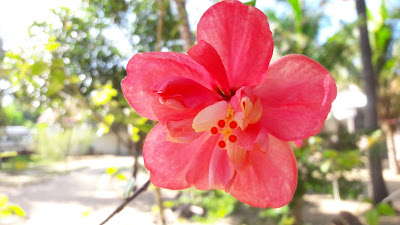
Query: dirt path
[82, 193]
[64, 199]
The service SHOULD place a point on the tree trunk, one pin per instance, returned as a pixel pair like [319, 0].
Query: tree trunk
[379, 190]
[160, 23]
[184, 27]
[297, 210]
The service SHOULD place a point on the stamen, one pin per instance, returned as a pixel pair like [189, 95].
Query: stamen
[232, 138]
[214, 130]
[233, 124]
[222, 144]
[221, 123]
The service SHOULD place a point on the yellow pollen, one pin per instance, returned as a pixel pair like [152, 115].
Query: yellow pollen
[227, 130]
[230, 113]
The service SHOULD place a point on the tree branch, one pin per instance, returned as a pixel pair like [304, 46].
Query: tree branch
[161, 9]
[126, 202]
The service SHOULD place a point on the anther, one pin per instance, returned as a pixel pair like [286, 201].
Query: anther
[214, 130]
[233, 124]
[221, 123]
[232, 138]
[222, 144]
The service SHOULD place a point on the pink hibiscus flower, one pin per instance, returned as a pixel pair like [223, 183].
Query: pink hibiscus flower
[225, 115]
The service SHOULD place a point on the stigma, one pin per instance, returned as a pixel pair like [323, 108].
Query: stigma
[225, 128]
[221, 120]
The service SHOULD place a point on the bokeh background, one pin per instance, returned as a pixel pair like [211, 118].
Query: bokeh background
[70, 144]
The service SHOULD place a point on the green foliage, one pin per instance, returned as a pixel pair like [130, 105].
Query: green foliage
[297, 11]
[17, 115]
[77, 68]
[385, 209]
[281, 215]
[382, 209]
[8, 154]
[13, 116]
[316, 164]
[3, 200]
[17, 163]
[372, 217]
[111, 170]
[9, 209]
[217, 204]
[103, 94]
[252, 3]
[53, 144]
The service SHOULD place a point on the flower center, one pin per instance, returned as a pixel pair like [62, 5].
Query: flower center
[224, 120]
[225, 127]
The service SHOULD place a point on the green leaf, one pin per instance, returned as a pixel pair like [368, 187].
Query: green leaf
[38, 67]
[3, 200]
[385, 209]
[104, 94]
[130, 185]
[168, 204]
[5, 213]
[141, 121]
[287, 220]
[297, 12]
[57, 77]
[74, 79]
[274, 213]
[135, 134]
[7, 154]
[109, 119]
[86, 213]
[145, 128]
[383, 11]
[368, 200]
[329, 154]
[51, 46]
[16, 210]
[111, 170]
[121, 176]
[372, 217]
[252, 3]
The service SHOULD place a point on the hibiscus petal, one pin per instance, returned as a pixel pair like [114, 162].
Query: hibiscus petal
[147, 69]
[167, 161]
[209, 116]
[267, 179]
[208, 57]
[220, 173]
[187, 93]
[254, 137]
[236, 153]
[181, 99]
[181, 130]
[241, 36]
[296, 97]
[211, 169]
